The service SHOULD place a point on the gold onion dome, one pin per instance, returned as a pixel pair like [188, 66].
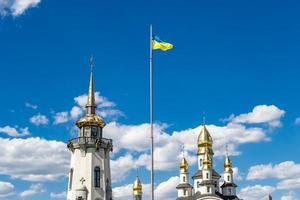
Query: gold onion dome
[184, 166]
[137, 186]
[205, 141]
[90, 118]
[227, 164]
[204, 138]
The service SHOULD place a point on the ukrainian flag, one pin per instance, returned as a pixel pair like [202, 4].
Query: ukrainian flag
[159, 44]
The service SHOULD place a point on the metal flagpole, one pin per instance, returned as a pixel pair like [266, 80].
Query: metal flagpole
[151, 118]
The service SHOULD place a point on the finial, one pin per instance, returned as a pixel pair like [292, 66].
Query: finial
[92, 64]
[182, 150]
[226, 149]
[203, 118]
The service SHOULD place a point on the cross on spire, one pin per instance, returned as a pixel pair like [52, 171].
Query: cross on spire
[203, 118]
[182, 150]
[226, 149]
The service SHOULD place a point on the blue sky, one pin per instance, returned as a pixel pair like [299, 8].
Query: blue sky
[229, 57]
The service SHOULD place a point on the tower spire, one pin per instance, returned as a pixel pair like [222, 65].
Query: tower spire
[91, 105]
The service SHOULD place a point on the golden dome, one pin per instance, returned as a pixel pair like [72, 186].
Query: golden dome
[184, 166]
[204, 138]
[227, 164]
[90, 120]
[137, 186]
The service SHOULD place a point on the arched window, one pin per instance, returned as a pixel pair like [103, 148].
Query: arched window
[97, 177]
[228, 178]
[206, 175]
[184, 179]
[208, 189]
[70, 179]
[184, 192]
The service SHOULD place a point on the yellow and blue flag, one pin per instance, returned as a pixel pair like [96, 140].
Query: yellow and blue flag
[159, 44]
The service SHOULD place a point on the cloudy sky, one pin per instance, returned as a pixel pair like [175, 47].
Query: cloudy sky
[237, 61]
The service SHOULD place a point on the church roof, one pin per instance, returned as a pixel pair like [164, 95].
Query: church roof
[199, 174]
[184, 185]
[207, 182]
[228, 185]
[198, 195]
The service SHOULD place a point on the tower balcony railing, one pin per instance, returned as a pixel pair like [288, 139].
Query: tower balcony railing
[90, 142]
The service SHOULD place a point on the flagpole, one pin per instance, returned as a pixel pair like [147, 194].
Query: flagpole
[151, 118]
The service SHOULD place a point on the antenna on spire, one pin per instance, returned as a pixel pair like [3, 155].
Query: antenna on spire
[137, 171]
[182, 150]
[92, 63]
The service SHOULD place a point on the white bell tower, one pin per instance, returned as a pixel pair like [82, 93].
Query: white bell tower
[89, 176]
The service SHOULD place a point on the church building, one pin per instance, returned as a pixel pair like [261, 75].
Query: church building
[206, 180]
[89, 176]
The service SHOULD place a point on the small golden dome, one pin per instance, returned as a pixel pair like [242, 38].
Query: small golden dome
[204, 138]
[227, 164]
[184, 166]
[137, 186]
[90, 120]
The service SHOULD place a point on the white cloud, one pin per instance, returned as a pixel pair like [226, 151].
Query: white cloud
[297, 121]
[101, 101]
[278, 171]
[16, 7]
[105, 108]
[236, 174]
[33, 159]
[14, 132]
[292, 183]
[288, 172]
[121, 166]
[29, 105]
[136, 139]
[76, 112]
[61, 117]
[125, 192]
[39, 119]
[110, 113]
[166, 190]
[6, 189]
[269, 114]
[32, 190]
[255, 192]
[61, 195]
[289, 196]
